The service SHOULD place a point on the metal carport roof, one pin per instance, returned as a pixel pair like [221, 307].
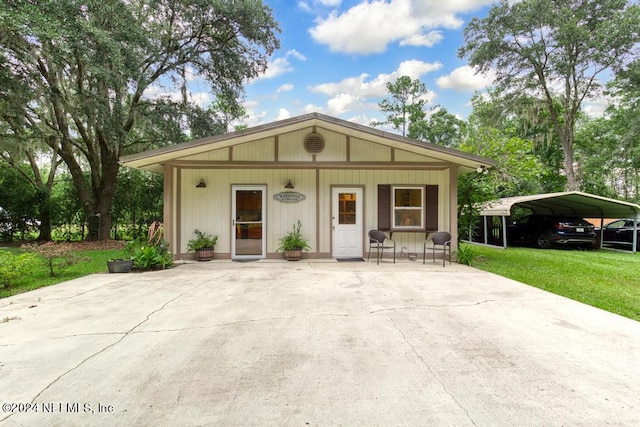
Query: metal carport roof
[566, 203]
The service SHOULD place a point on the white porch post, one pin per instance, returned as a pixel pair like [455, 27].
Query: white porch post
[453, 207]
[169, 194]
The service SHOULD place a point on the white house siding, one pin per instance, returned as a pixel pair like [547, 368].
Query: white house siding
[263, 150]
[363, 151]
[408, 157]
[221, 154]
[209, 209]
[370, 179]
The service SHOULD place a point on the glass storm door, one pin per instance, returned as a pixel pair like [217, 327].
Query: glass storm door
[347, 222]
[249, 217]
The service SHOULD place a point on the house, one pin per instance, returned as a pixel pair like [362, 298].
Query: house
[340, 179]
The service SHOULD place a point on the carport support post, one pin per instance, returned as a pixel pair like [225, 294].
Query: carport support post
[634, 246]
[601, 230]
[504, 231]
[486, 239]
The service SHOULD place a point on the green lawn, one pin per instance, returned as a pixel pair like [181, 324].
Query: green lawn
[606, 279]
[39, 274]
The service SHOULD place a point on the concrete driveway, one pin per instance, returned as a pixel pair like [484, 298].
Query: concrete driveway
[313, 343]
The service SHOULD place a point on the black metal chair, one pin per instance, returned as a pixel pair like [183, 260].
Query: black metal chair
[379, 241]
[440, 239]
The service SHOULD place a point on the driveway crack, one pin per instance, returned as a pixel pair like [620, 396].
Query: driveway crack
[124, 335]
[421, 306]
[426, 365]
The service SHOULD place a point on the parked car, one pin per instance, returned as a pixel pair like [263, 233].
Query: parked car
[620, 233]
[545, 231]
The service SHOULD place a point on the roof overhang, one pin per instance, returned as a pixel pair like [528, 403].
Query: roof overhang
[154, 160]
[566, 203]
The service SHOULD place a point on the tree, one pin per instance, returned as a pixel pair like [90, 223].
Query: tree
[525, 118]
[556, 51]
[405, 104]
[138, 201]
[86, 70]
[439, 127]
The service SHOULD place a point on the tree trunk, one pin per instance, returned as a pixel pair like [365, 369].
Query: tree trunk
[45, 224]
[99, 213]
[567, 150]
[99, 226]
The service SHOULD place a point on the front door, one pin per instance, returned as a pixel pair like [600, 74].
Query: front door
[347, 204]
[248, 223]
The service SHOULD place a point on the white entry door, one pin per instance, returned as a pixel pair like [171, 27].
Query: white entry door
[346, 210]
[248, 224]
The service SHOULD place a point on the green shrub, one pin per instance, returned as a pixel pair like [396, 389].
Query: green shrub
[147, 256]
[13, 266]
[293, 239]
[466, 254]
[202, 241]
[57, 256]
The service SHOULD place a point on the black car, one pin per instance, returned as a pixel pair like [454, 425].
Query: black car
[545, 231]
[620, 233]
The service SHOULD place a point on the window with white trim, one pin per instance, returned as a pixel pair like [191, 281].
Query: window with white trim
[408, 205]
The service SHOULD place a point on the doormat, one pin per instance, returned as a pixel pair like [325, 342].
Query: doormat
[349, 259]
[245, 260]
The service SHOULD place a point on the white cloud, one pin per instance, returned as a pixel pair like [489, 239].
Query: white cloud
[282, 65]
[287, 87]
[370, 26]
[465, 79]
[307, 7]
[341, 103]
[330, 3]
[428, 40]
[361, 86]
[596, 107]
[296, 55]
[304, 6]
[312, 108]
[362, 92]
[283, 113]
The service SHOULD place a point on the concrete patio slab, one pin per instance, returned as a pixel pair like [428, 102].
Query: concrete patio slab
[313, 343]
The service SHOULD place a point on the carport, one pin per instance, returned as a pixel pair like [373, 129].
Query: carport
[565, 203]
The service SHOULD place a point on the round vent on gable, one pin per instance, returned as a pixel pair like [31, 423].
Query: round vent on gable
[314, 143]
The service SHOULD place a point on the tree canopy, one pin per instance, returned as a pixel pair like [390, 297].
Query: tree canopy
[79, 76]
[405, 104]
[558, 51]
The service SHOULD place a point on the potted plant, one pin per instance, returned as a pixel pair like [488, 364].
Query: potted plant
[203, 245]
[119, 265]
[122, 265]
[293, 243]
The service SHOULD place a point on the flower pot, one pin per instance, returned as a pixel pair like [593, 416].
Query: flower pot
[293, 254]
[204, 254]
[119, 265]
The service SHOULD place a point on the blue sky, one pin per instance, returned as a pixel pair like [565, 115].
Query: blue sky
[336, 57]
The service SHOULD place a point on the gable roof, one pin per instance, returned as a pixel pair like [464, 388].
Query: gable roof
[154, 159]
[565, 203]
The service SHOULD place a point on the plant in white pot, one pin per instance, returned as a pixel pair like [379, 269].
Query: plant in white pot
[293, 243]
[203, 245]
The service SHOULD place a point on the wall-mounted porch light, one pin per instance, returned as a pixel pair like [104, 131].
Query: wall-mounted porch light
[289, 185]
[201, 184]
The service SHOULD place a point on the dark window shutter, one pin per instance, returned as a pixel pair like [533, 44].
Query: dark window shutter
[384, 207]
[431, 211]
